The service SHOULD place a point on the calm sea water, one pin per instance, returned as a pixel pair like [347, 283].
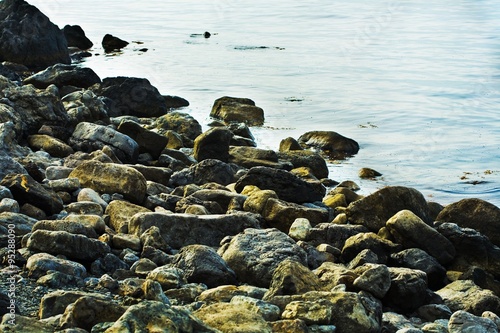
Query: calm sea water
[417, 84]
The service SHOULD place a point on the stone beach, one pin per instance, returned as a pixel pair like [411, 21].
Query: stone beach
[119, 214]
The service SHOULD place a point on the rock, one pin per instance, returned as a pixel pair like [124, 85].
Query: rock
[241, 110]
[131, 96]
[143, 267]
[287, 186]
[175, 102]
[268, 311]
[333, 234]
[168, 277]
[415, 258]
[88, 194]
[68, 185]
[408, 289]
[107, 264]
[40, 263]
[26, 190]
[57, 172]
[33, 108]
[21, 324]
[383, 248]
[281, 214]
[23, 223]
[213, 144]
[158, 175]
[368, 173]
[230, 317]
[75, 37]
[111, 43]
[292, 278]
[158, 317]
[331, 143]
[120, 212]
[66, 225]
[125, 241]
[88, 137]
[212, 170]
[9, 205]
[54, 147]
[312, 313]
[300, 229]
[152, 237]
[306, 158]
[373, 278]
[244, 253]
[112, 178]
[257, 200]
[148, 141]
[374, 210]
[30, 38]
[222, 197]
[289, 144]
[179, 230]
[432, 312]
[249, 157]
[462, 321]
[85, 106]
[63, 75]
[467, 296]
[410, 231]
[202, 264]
[181, 123]
[476, 214]
[76, 247]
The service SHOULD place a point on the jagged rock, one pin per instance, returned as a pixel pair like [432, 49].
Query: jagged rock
[39, 264]
[66, 225]
[467, 296]
[462, 321]
[306, 158]
[408, 289]
[179, 230]
[244, 253]
[152, 237]
[29, 37]
[373, 278]
[76, 247]
[202, 264]
[112, 178]
[76, 37]
[159, 317]
[26, 190]
[287, 186]
[230, 317]
[241, 110]
[476, 214]
[120, 212]
[111, 43]
[131, 96]
[249, 157]
[410, 231]
[281, 214]
[53, 146]
[88, 137]
[85, 106]
[383, 248]
[148, 141]
[374, 210]
[213, 144]
[63, 75]
[331, 143]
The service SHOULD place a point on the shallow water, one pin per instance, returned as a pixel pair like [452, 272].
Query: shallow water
[416, 84]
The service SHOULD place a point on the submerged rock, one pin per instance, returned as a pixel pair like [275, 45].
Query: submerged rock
[111, 43]
[76, 37]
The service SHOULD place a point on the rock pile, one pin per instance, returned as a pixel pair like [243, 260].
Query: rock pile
[117, 214]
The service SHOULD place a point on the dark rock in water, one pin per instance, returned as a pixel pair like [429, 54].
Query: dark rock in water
[64, 75]
[111, 43]
[331, 143]
[213, 144]
[476, 214]
[374, 210]
[241, 110]
[131, 96]
[26, 190]
[368, 173]
[29, 38]
[287, 186]
[76, 37]
[174, 102]
[289, 144]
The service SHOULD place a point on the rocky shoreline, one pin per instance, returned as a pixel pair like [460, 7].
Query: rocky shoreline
[118, 214]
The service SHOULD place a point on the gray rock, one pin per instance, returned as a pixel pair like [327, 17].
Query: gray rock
[179, 230]
[85, 106]
[212, 170]
[331, 143]
[245, 254]
[57, 172]
[268, 311]
[476, 214]
[76, 247]
[64, 185]
[432, 312]
[63, 75]
[408, 289]
[373, 278]
[107, 264]
[222, 197]
[148, 141]
[9, 205]
[213, 144]
[88, 194]
[331, 275]
[23, 223]
[66, 225]
[241, 110]
[76, 37]
[287, 186]
[126, 241]
[152, 237]
[40, 263]
[94, 221]
[374, 210]
[409, 230]
[84, 208]
[88, 137]
[333, 234]
[168, 276]
[32, 39]
[202, 264]
[461, 322]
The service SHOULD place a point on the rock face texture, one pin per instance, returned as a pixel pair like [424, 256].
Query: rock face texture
[29, 38]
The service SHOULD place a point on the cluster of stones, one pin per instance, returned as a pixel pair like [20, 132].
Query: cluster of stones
[129, 218]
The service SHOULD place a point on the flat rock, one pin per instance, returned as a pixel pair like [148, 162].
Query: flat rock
[63, 75]
[40, 263]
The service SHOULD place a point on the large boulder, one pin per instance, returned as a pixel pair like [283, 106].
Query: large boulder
[29, 37]
[112, 178]
[287, 186]
[179, 230]
[213, 144]
[76, 37]
[374, 210]
[181, 123]
[132, 96]
[254, 254]
[331, 143]
[64, 75]
[476, 214]
[84, 105]
[240, 110]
